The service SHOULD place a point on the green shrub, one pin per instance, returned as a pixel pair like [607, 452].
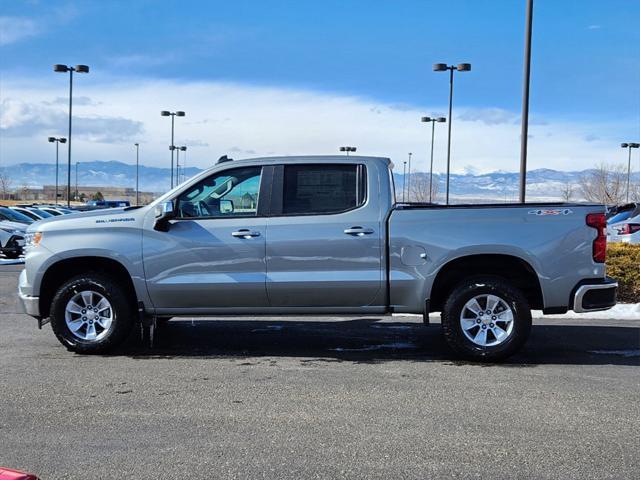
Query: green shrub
[623, 264]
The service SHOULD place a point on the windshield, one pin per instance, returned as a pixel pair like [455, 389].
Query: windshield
[9, 214]
[620, 217]
[42, 213]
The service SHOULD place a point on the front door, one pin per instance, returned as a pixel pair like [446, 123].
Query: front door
[213, 255]
[324, 238]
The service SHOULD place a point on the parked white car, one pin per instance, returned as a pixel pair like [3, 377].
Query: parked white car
[624, 226]
[11, 238]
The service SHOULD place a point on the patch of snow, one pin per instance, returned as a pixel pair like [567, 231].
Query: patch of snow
[624, 353]
[269, 328]
[7, 261]
[393, 327]
[622, 311]
[368, 348]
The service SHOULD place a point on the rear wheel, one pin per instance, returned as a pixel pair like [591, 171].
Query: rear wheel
[91, 313]
[486, 319]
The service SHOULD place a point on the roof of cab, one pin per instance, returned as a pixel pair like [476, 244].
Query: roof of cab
[308, 159]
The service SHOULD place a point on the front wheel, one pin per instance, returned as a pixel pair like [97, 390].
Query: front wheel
[486, 319]
[91, 313]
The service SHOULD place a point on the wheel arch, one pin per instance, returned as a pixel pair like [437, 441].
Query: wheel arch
[514, 269]
[65, 269]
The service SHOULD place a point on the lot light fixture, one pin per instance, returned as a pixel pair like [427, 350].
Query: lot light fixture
[137, 145]
[347, 150]
[58, 141]
[629, 146]
[443, 67]
[433, 122]
[173, 115]
[59, 68]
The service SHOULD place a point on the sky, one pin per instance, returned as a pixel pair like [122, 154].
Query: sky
[306, 77]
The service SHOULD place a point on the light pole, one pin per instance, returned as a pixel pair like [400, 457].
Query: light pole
[433, 131]
[63, 69]
[58, 141]
[524, 132]
[137, 145]
[404, 179]
[629, 146]
[409, 179]
[348, 149]
[173, 115]
[76, 196]
[443, 67]
[183, 148]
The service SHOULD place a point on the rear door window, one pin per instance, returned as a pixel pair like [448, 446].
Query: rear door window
[320, 189]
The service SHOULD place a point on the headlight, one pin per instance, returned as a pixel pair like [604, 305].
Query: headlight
[32, 240]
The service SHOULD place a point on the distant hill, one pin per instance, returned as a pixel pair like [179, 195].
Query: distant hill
[112, 173]
[542, 184]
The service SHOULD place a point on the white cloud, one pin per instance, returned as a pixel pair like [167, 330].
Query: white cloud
[594, 27]
[15, 29]
[246, 120]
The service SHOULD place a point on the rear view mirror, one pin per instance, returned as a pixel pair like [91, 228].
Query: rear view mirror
[164, 212]
[226, 206]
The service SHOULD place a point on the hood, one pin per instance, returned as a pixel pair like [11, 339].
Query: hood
[92, 218]
[13, 225]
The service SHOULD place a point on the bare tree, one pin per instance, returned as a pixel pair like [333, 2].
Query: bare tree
[5, 184]
[605, 184]
[567, 192]
[420, 188]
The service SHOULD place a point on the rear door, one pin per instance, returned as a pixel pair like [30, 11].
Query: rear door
[324, 237]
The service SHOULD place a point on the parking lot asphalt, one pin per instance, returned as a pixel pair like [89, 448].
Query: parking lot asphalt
[370, 397]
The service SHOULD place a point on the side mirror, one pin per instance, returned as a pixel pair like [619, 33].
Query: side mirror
[164, 213]
[226, 206]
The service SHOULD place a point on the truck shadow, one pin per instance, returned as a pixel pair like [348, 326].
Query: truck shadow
[371, 340]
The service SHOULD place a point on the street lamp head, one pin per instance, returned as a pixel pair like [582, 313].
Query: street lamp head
[624, 145]
[60, 68]
[441, 119]
[164, 113]
[62, 140]
[179, 114]
[440, 67]
[425, 119]
[343, 149]
[136, 144]
[52, 139]
[82, 68]
[634, 145]
[464, 67]
[183, 148]
[171, 147]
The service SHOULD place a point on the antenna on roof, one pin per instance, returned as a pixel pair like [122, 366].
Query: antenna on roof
[223, 159]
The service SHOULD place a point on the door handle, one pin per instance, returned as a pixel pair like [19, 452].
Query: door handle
[358, 231]
[245, 233]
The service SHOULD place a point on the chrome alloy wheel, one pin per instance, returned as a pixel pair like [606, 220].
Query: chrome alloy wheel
[487, 320]
[89, 315]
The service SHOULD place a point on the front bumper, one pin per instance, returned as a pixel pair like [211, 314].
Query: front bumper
[30, 304]
[591, 297]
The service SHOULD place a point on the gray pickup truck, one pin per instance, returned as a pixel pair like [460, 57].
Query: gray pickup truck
[314, 235]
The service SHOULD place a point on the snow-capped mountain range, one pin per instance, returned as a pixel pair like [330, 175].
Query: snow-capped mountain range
[542, 184]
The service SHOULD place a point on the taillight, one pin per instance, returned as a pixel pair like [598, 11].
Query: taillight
[628, 228]
[599, 222]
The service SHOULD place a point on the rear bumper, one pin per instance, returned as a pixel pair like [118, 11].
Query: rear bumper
[591, 297]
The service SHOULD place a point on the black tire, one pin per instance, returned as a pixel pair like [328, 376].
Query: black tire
[123, 313]
[12, 255]
[467, 290]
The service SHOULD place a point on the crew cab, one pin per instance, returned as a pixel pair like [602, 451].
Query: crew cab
[314, 235]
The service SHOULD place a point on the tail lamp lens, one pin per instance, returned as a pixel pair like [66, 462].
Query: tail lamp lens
[599, 222]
